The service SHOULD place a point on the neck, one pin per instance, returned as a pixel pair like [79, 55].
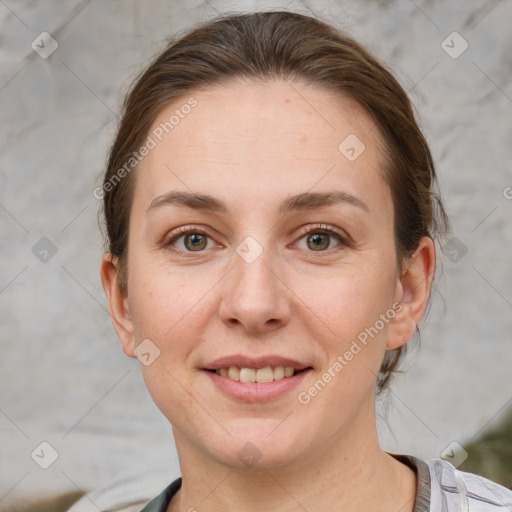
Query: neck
[348, 471]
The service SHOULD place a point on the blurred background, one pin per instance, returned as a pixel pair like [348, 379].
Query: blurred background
[74, 411]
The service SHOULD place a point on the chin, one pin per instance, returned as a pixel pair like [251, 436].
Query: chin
[258, 448]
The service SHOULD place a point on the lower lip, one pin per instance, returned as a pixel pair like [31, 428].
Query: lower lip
[257, 391]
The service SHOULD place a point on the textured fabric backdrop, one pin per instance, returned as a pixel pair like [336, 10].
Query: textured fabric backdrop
[64, 380]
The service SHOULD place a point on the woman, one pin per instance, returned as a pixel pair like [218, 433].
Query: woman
[271, 218]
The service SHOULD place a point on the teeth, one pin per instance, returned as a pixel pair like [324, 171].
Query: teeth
[234, 373]
[279, 372]
[288, 371]
[266, 374]
[247, 375]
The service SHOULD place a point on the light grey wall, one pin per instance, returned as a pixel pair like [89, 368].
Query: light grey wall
[64, 379]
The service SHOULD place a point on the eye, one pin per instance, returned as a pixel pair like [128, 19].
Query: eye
[319, 237]
[191, 239]
[194, 240]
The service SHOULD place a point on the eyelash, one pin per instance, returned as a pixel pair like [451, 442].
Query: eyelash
[317, 228]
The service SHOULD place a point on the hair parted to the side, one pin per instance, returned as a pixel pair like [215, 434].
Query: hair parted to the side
[293, 47]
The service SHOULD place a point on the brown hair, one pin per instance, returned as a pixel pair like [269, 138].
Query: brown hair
[288, 46]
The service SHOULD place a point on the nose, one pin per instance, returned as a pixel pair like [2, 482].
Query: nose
[255, 296]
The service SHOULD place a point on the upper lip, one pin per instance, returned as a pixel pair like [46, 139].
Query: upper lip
[254, 362]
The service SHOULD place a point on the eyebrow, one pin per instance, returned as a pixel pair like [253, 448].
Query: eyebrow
[304, 201]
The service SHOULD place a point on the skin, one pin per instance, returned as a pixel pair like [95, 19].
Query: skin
[252, 145]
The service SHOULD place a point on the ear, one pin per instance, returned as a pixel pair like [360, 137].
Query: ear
[118, 303]
[413, 290]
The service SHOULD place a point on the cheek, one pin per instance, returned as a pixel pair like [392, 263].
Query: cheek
[344, 315]
[170, 309]
[349, 301]
[153, 297]
[167, 310]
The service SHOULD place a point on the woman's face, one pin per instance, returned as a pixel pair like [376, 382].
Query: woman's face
[247, 280]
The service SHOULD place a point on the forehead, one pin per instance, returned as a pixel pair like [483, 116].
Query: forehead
[273, 138]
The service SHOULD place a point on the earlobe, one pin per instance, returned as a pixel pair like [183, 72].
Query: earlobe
[413, 290]
[118, 304]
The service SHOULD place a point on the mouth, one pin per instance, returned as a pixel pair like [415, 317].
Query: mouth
[256, 379]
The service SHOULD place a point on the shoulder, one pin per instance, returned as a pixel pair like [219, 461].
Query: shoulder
[454, 490]
[128, 494]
